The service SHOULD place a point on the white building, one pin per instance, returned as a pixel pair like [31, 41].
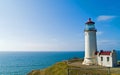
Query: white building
[106, 58]
[92, 56]
[90, 43]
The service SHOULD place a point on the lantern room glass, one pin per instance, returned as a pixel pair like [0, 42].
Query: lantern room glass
[90, 27]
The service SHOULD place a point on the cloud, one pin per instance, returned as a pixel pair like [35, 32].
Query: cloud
[99, 33]
[105, 17]
[108, 44]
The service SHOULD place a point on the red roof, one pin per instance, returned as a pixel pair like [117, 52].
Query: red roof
[103, 52]
[90, 22]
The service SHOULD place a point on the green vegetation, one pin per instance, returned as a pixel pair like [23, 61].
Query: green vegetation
[61, 68]
[57, 69]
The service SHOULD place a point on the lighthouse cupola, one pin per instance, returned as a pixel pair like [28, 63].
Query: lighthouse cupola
[89, 25]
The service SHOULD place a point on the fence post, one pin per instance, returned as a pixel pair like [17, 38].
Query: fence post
[108, 70]
[68, 71]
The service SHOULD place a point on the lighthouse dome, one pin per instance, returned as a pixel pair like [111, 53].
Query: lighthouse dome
[90, 22]
[90, 25]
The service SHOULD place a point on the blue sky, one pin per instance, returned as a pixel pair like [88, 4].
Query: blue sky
[57, 25]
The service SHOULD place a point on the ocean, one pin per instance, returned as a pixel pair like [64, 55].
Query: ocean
[21, 63]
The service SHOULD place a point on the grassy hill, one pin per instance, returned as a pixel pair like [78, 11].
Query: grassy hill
[61, 68]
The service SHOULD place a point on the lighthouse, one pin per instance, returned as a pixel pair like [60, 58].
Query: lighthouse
[90, 43]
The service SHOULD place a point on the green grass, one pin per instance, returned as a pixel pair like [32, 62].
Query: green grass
[61, 68]
[57, 69]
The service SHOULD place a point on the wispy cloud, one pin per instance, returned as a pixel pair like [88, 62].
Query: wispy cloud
[105, 17]
[108, 44]
[99, 33]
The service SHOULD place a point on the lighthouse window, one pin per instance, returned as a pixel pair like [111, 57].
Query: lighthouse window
[107, 58]
[101, 58]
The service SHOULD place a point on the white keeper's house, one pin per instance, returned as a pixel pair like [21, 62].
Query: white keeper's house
[106, 58]
[92, 55]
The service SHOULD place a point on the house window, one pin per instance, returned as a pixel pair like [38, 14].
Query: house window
[101, 58]
[108, 59]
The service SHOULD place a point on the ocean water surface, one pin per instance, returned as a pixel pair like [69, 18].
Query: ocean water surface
[20, 63]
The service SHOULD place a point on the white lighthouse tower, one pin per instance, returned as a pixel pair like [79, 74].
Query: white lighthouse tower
[90, 43]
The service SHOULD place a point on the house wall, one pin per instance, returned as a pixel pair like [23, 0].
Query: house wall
[105, 62]
[112, 59]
